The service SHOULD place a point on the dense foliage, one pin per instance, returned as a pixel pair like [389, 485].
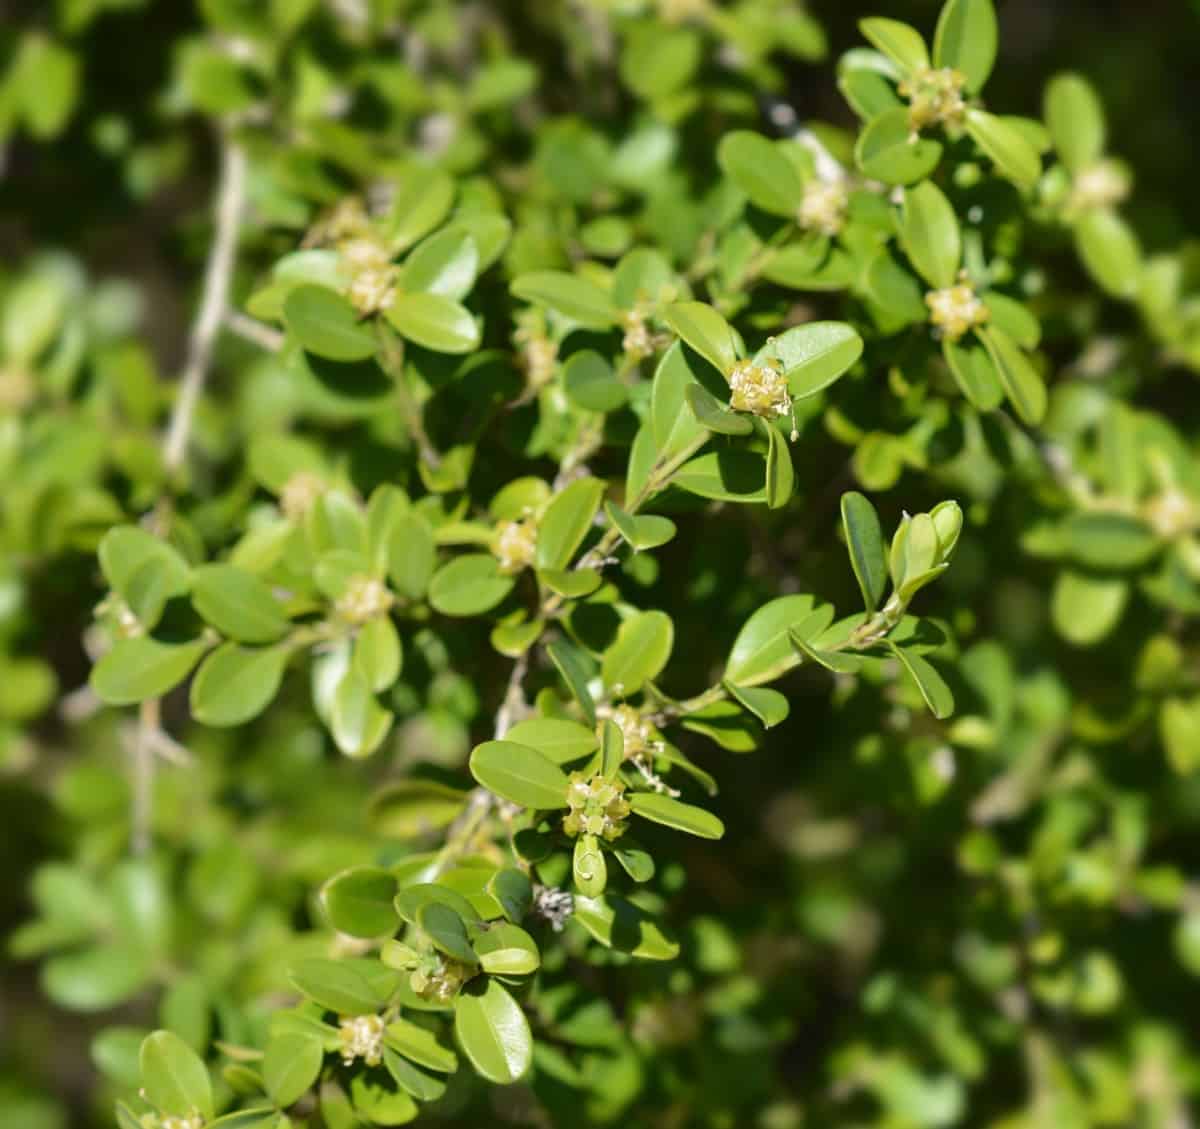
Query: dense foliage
[638, 608]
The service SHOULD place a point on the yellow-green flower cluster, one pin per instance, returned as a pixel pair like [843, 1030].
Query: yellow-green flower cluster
[761, 390]
[823, 206]
[300, 493]
[956, 310]
[362, 1037]
[598, 807]
[438, 978]
[516, 544]
[365, 598]
[935, 97]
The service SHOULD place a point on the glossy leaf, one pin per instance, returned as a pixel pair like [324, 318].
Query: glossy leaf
[519, 774]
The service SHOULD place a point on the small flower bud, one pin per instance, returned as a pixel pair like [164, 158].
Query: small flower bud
[947, 523]
[956, 310]
[823, 206]
[362, 1037]
[300, 493]
[365, 598]
[935, 97]
[761, 390]
[516, 545]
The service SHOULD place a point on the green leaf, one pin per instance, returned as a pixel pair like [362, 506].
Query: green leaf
[1015, 319]
[619, 924]
[589, 871]
[357, 721]
[591, 384]
[573, 296]
[420, 1045]
[887, 150]
[141, 668]
[377, 653]
[864, 542]
[813, 356]
[235, 684]
[638, 864]
[434, 322]
[931, 684]
[1110, 251]
[424, 1087]
[507, 950]
[639, 652]
[421, 202]
[898, 41]
[98, 977]
[1014, 157]
[174, 1078]
[780, 473]
[972, 368]
[612, 749]
[557, 739]
[411, 808]
[469, 585]
[143, 570]
[290, 1066]
[762, 650]
[513, 890]
[1075, 119]
[725, 476]
[411, 555]
[1179, 729]
[706, 331]
[966, 39]
[444, 264]
[341, 986]
[576, 668]
[714, 415]
[674, 426]
[758, 167]
[642, 531]
[519, 774]
[1021, 382]
[1085, 609]
[238, 604]
[493, 1031]
[359, 901]
[769, 706]
[1107, 540]
[447, 930]
[566, 521]
[929, 230]
[673, 813]
[325, 323]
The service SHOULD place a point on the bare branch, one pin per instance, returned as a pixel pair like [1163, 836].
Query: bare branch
[231, 194]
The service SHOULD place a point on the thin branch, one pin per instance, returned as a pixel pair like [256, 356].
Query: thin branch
[252, 330]
[231, 195]
[150, 740]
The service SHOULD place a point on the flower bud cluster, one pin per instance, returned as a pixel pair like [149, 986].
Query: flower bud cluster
[300, 493]
[956, 310]
[638, 341]
[365, 598]
[761, 390]
[597, 807]
[823, 206]
[935, 97]
[438, 978]
[638, 735]
[1100, 185]
[516, 545]
[362, 1037]
[373, 275]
